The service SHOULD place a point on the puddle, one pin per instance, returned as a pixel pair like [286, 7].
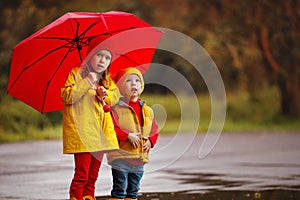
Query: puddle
[222, 195]
[216, 187]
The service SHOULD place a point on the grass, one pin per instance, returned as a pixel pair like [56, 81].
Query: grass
[181, 113]
[48, 133]
[244, 113]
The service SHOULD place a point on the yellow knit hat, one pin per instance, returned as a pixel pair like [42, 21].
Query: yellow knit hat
[122, 75]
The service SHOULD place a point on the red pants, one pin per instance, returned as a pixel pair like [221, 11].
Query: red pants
[87, 167]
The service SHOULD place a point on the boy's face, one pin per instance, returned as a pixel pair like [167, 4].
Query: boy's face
[101, 60]
[132, 87]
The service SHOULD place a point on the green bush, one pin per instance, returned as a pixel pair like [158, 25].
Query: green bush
[260, 107]
[173, 111]
[17, 117]
[257, 112]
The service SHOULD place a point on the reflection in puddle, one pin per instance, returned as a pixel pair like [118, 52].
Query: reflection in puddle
[221, 195]
[211, 180]
[223, 182]
[214, 187]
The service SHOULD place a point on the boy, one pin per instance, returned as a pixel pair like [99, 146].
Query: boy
[136, 131]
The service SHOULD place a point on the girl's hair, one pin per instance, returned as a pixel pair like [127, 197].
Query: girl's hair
[105, 79]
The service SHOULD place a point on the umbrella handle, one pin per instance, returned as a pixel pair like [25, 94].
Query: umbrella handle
[106, 107]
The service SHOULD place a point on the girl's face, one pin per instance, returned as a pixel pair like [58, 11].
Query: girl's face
[132, 87]
[101, 60]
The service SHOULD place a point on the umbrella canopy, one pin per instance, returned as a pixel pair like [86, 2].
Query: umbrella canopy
[40, 63]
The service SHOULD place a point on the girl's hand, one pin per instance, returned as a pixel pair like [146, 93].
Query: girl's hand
[147, 145]
[93, 77]
[134, 139]
[102, 92]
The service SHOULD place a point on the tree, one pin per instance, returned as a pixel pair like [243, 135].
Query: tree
[279, 42]
[19, 22]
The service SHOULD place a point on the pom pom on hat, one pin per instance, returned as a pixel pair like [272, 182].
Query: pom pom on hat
[122, 75]
[98, 43]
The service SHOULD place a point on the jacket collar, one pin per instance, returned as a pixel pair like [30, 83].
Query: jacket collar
[123, 103]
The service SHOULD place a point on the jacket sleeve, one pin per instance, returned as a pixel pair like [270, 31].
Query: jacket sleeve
[74, 88]
[113, 95]
[154, 133]
[122, 135]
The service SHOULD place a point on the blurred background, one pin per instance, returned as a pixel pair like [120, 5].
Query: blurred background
[255, 45]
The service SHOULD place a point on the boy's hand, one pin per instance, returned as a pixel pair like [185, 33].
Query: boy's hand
[147, 145]
[134, 139]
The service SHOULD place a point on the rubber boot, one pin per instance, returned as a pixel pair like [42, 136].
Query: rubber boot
[88, 197]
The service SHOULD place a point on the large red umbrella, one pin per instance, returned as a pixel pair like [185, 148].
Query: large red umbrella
[41, 62]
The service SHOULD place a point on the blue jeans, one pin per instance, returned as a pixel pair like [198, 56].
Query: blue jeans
[126, 179]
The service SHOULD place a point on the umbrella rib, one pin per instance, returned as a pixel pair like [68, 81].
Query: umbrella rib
[105, 24]
[125, 56]
[69, 41]
[107, 33]
[77, 40]
[32, 64]
[50, 80]
[81, 37]
[124, 29]
[87, 29]
[54, 38]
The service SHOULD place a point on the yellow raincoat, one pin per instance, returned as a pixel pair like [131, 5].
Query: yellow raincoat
[86, 127]
[128, 120]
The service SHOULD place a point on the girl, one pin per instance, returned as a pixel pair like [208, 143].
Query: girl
[88, 130]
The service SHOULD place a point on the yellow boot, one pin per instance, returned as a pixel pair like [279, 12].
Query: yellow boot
[88, 197]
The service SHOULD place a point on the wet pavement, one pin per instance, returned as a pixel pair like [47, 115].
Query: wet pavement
[240, 166]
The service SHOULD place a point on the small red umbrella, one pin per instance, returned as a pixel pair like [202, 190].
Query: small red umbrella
[41, 62]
